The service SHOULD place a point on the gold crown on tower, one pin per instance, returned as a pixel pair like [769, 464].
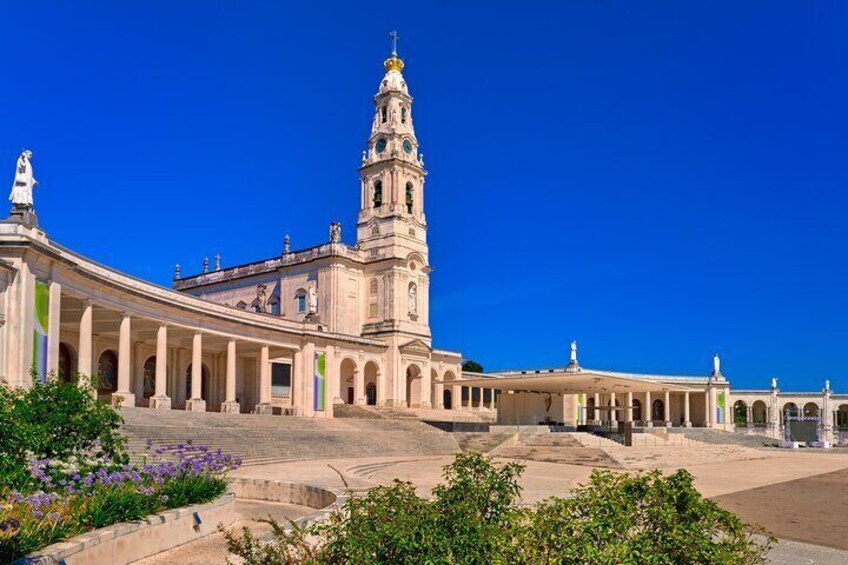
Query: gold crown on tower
[393, 63]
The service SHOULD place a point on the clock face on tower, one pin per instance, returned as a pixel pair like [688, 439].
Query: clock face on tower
[407, 146]
[381, 145]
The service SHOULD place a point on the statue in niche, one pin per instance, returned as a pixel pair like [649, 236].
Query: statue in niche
[21, 196]
[413, 299]
[313, 299]
[261, 298]
[335, 232]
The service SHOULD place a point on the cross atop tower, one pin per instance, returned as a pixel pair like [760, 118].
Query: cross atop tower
[394, 37]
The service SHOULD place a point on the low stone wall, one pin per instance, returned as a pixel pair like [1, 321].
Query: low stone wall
[324, 500]
[126, 542]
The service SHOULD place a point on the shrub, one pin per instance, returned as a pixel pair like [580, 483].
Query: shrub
[474, 518]
[56, 421]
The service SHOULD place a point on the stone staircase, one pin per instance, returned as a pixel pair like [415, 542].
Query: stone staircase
[259, 439]
[401, 413]
[573, 448]
[720, 437]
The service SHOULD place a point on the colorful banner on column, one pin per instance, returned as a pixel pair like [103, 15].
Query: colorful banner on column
[720, 406]
[319, 386]
[41, 323]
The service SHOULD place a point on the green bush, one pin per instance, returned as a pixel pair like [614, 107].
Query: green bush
[54, 420]
[474, 518]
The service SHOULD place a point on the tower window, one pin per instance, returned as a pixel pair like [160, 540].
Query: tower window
[384, 114]
[300, 297]
[403, 115]
[409, 198]
[378, 193]
[373, 289]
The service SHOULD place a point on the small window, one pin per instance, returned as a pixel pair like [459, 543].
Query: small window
[384, 114]
[373, 287]
[378, 193]
[274, 306]
[280, 379]
[372, 310]
[409, 198]
[403, 115]
[301, 301]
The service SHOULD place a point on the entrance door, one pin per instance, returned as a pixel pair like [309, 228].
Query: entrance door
[446, 399]
[350, 395]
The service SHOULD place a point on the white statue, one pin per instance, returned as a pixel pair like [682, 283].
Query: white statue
[313, 299]
[773, 382]
[24, 181]
[716, 365]
[261, 298]
[574, 352]
[413, 299]
[827, 385]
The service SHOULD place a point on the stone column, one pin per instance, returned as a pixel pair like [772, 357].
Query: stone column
[596, 417]
[230, 404]
[687, 421]
[84, 353]
[708, 407]
[647, 413]
[628, 410]
[456, 397]
[124, 396]
[53, 329]
[359, 386]
[196, 403]
[160, 399]
[749, 416]
[613, 411]
[667, 409]
[264, 406]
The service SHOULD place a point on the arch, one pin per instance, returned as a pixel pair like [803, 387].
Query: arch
[414, 381]
[740, 412]
[759, 412]
[811, 410]
[842, 416]
[107, 372]
[347, 381]
[447, 398]
[403, 114]
[590, 408]
[789, 407]
[384, 114]
[637, 410]
[410, 197]
[371, 376]
[657, 410]
[204, 374]
[377, 198]
[149, 377]
[67, 363]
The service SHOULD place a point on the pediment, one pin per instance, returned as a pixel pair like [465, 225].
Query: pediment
[416, 346]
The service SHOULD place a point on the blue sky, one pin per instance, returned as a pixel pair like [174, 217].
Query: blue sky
[656, 180]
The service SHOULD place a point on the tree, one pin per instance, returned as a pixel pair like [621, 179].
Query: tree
[472, 366]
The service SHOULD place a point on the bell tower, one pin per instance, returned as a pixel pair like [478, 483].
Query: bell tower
[391, 217]
[392, 228]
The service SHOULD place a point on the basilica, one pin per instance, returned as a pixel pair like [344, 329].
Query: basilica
[309, 330]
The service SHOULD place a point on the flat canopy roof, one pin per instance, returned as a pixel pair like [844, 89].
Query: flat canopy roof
[572, 383]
